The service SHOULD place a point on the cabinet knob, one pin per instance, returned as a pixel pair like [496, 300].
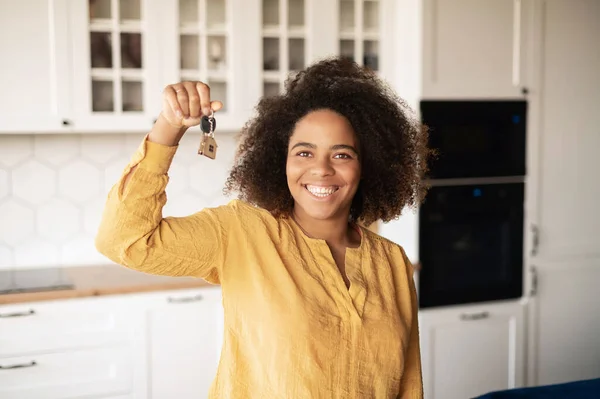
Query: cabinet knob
[66, 122]
[524, 91]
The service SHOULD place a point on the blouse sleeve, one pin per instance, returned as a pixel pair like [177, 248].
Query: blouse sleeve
[133, 232]
[411, 385]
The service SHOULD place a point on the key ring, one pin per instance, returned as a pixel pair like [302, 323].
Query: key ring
[211, 120]
[208, 124]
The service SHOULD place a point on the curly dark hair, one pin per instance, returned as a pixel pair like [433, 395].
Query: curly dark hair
[393, 144]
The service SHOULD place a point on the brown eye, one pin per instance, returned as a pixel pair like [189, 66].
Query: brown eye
[343, 156]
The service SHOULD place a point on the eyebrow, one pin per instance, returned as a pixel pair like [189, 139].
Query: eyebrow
[333, 147]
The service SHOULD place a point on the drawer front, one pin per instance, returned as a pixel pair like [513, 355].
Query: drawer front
[105, 372]
[56, 326]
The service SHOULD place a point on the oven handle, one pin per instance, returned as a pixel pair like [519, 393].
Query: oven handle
[474, 316]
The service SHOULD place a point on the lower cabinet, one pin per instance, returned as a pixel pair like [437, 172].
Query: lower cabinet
[73, 374]
[185, 334]
[163, 345]
[468, 351]
[151, 345]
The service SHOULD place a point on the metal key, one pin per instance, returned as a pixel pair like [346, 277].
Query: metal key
[208, 144]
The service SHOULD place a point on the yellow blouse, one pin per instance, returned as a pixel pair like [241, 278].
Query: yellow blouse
[292, 328]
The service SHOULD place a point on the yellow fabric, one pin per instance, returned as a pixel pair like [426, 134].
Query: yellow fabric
[292, 329]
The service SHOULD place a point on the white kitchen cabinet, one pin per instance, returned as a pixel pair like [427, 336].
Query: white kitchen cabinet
[564, 122]
[471, 350]
[71, 348]
[563, 217]
[115, 81]
[185, 332]
[475, 48]
[146, 345]
[101, 65]
[563, 323]
[27, 329]
[34, 78]
[216, 42]
[70, 374]
[297, 33]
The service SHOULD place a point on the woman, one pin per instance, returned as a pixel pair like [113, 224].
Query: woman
[316, 306]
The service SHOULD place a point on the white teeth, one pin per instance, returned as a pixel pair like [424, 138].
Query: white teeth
[321, 191]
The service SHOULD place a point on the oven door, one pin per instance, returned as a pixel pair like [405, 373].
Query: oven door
[471, 244]
[476, 138]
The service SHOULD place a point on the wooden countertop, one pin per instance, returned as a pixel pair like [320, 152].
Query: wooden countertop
[106, 280]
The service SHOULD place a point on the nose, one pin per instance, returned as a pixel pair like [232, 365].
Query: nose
[322, 167]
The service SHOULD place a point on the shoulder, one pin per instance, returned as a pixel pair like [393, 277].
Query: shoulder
[246, 209]
[380, 241]
[243, 213]
[386, 249]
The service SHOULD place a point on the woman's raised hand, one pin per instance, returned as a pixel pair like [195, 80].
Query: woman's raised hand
[184, 103]
[183, 106]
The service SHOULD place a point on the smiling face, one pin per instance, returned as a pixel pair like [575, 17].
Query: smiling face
[323, 168]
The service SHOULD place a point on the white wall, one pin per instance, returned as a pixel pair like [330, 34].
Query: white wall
[53, 188]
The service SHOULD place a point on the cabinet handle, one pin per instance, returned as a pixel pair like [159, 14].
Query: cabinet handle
[17, 314]
[18, 366]
[535, 231]
[534, 281]
[474, 316]
[185, 299]
[516, 43]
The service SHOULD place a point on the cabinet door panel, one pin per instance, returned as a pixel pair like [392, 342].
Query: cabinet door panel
[76, 374]
[115, 65]
[564, 323]
[473, 48]
[34, 60]
[568, 121]
[185, 344]
[471, 350]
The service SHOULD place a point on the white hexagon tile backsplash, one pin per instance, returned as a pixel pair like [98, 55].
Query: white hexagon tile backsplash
[53, 188]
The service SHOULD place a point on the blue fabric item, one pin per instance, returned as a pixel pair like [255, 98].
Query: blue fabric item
[586, 389]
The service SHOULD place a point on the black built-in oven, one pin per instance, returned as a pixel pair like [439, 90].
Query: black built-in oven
[471, 244]
[471, 223]
[476, 139]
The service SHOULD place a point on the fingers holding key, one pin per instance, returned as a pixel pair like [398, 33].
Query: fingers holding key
[206, 104]
[171, 108]
[193, 100]
[184, 103]
[183, 99]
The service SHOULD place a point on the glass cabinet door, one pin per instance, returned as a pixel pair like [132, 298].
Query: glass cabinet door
[204, 45]
[284, 42]
[205, 40]
[125, 52]
[359, 28]
[114, 68]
